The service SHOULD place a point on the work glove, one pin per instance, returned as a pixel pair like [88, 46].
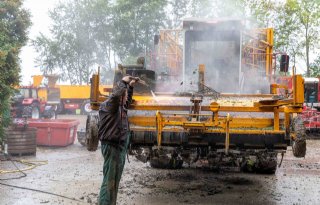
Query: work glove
[130, 80]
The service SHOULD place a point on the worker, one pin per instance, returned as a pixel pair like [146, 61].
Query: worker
[114, 136]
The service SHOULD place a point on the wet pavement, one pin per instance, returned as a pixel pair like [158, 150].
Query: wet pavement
[73, 175]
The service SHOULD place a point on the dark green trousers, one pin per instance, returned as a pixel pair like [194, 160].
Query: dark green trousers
[114, 160]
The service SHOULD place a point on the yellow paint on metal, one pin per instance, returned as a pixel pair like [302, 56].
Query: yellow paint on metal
[214, 107]
[74, 91]
[77, 91]
[37, 79]
[159, 128]
[276, 123]
[275, 87]
[43, 94]
[201, 76]
[269, 51]
[212, 123]
[193, 125]
[298, 89]
[221, 130]
[227, 141]
[94, 87]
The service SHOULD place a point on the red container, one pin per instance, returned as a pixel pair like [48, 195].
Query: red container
[57, 132]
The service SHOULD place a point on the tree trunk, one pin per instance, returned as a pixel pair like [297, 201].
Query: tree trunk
[307, 60]
[109, 55]
[307, 49]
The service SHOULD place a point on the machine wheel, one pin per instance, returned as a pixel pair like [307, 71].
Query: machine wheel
[162, 159]
[299, 146]
[264, 163]
[92, 139]
[86, 107]
[165, 163]
[267, 166]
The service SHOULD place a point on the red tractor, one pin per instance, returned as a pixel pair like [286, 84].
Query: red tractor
[35, 101]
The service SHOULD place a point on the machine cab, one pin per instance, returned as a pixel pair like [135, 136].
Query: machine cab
[311, 94]
[236, 59]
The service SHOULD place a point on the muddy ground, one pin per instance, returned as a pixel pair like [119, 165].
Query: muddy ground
[75, 173]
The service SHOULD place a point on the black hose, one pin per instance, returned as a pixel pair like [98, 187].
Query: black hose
[44, 192]
[24, 175]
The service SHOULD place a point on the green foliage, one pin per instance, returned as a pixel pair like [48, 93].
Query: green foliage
[86, 33]
[261, 12]
[315, 68]
[308, 13]
[74, 49]
[287, 29]
[136, 22]
[296, 23]
[178, 10]
[14, 23]
[201, 8]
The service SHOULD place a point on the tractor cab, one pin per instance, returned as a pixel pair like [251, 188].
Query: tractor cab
[25, 103]
[35, 101]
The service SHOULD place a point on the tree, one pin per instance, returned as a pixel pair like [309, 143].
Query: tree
[80, 40]
[261, 12]
[178, 9]
[87, 33]
[136, 22]
[308, 13]
[229, 9]
[296, 23]
[315, 68]
[201, 8]
[14, 23]
[287, 29]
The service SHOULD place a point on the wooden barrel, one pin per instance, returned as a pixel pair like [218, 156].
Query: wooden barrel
[21, 141]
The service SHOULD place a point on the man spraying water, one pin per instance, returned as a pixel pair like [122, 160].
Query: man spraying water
[114, 136]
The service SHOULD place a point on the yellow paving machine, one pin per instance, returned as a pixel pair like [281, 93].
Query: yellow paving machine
[225, 109]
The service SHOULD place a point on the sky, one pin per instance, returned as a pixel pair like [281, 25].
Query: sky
[41, 21]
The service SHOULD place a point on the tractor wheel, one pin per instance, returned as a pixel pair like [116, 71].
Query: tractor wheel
[53, 115]
[299, 146]
[92, 139]
[86, 107]
[31, 111]
[59, 108]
